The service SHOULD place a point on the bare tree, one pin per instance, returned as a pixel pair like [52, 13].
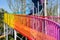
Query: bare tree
[52, 8]
[17, 6]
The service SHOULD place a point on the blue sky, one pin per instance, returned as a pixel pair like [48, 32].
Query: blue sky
[4, 5]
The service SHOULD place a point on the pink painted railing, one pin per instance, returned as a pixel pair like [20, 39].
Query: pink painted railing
[52, 28]
[41, 24]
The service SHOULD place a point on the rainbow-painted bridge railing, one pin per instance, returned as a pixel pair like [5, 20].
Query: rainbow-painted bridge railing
[33, 27]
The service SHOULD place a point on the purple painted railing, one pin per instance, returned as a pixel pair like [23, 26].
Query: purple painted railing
[52, 28]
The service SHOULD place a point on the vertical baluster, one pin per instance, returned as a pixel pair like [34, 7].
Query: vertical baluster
[45, 11]
[15, 35]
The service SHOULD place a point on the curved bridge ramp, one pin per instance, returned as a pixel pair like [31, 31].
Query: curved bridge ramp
[33, 27]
